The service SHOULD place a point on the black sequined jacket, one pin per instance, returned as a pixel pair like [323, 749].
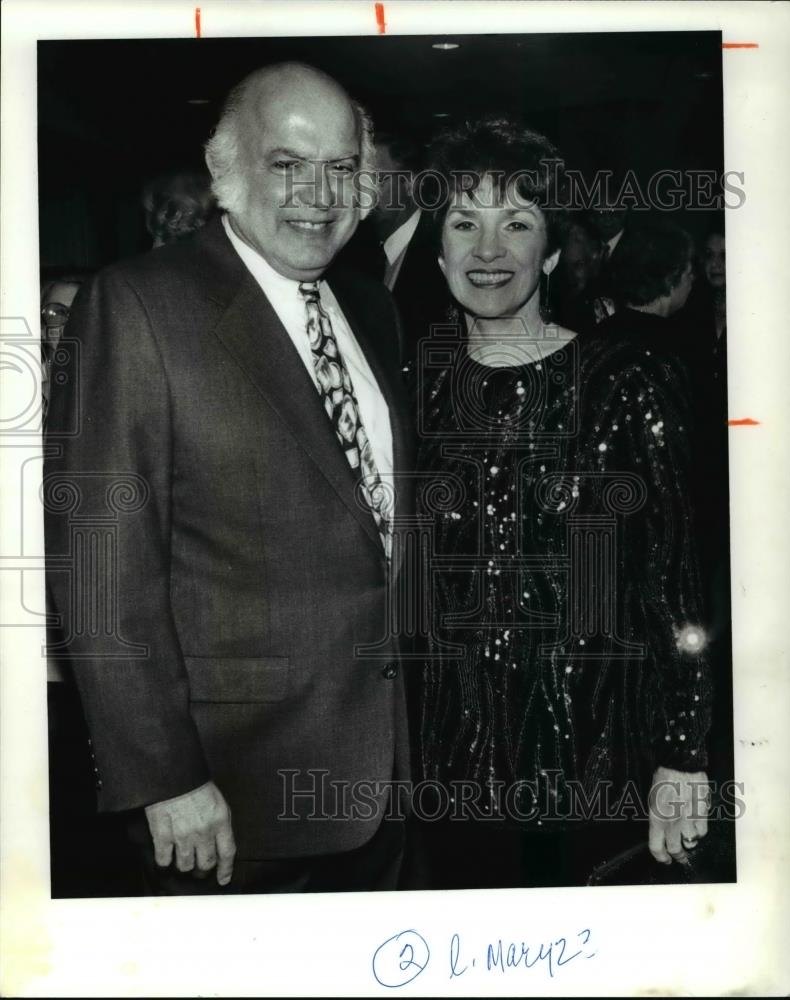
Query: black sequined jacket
[566, 639]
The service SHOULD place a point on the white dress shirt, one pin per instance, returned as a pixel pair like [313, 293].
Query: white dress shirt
[283, 294]
[613, 241]
[395, 247]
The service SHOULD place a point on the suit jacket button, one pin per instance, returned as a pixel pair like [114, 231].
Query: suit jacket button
[390, 671]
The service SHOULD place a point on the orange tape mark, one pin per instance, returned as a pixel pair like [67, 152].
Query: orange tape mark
[740, 45]
[744, 422]
[380, 18]
[197, 22]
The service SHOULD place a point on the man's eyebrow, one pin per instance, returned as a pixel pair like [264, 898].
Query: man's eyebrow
[292, 154]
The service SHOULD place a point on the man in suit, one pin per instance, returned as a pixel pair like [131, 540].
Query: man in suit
[396, 243]
[220, 525]
[610, 224]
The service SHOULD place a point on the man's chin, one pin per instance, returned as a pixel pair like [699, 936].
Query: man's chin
[307, 268]
[313, 259]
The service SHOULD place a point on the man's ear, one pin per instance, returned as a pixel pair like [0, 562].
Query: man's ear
[551, 262]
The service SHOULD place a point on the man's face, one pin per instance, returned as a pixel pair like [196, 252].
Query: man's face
[298, 156]
[580, 261]
[393, 184]
[609, 222]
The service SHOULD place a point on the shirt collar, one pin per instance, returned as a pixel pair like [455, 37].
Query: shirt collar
[612, 243]
[396, 242]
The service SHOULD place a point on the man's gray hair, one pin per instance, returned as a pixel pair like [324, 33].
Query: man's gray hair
[224, 147]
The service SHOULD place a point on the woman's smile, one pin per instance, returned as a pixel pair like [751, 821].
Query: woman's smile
[489, 279]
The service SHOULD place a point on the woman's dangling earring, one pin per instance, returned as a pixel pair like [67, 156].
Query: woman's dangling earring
[544, 304]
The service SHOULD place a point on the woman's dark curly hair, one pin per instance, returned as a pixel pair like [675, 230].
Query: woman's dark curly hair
[650, 260]
[509, 152]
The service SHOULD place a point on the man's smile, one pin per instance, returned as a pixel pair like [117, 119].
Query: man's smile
[306, 226]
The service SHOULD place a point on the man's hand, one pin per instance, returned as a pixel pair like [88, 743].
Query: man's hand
[197, 827]
[679, 805]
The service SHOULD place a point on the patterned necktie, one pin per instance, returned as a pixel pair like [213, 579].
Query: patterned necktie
[340, 403]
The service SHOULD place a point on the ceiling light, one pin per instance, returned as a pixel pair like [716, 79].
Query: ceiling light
[445, 46]
[198, 100]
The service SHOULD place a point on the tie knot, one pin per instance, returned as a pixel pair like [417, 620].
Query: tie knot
[309, 291]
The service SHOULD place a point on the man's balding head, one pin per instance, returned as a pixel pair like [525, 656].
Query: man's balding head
[295, 86]
[282, 160]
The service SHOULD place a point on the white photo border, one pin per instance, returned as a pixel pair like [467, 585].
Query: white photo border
[681, 940]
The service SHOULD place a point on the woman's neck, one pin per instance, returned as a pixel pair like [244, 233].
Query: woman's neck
[510, 341]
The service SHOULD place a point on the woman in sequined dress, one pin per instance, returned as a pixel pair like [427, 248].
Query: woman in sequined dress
[564, 669]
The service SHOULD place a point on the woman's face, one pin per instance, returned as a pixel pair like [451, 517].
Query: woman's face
[494, 251]
[713, 261]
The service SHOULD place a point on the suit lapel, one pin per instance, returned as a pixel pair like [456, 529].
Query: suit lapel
[387, 374]
[252, 333]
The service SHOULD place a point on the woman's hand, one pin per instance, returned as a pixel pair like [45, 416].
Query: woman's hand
[679, 806]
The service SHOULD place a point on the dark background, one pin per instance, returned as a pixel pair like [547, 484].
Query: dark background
[114, 114]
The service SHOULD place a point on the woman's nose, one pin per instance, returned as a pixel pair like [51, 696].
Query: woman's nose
[488, 248]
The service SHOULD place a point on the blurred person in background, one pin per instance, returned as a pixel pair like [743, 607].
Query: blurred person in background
[395, 243]
[57, 295]
[177, 204]
[652, 276]
[705, 313]
[610, 224]
[575, 294]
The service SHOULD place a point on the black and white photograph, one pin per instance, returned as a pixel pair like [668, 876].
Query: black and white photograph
[381, 460]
